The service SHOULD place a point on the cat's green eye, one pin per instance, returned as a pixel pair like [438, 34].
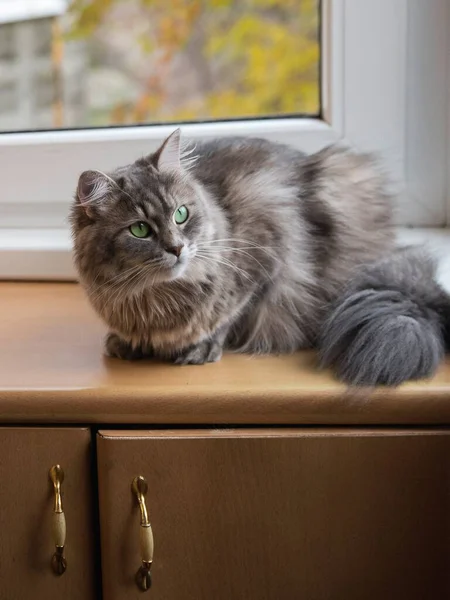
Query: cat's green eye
[181, 215]
[140, 229]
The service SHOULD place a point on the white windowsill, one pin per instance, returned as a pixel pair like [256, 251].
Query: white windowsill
[45, 254]
[438, 241]
[36, 254]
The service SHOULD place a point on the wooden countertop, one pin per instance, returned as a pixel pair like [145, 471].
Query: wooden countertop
[52, 370]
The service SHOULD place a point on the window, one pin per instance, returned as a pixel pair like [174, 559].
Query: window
[94, 84]
[147, 61]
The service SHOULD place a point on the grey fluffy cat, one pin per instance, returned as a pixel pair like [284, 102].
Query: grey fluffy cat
[249, 247]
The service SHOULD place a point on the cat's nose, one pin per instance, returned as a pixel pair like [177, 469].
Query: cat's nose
[175, 249]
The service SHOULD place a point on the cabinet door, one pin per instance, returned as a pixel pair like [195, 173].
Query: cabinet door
[279, 514]
[26, 514]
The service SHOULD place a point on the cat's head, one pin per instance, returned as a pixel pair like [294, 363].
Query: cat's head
[142, 222]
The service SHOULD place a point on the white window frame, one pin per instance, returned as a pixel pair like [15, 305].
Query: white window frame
[386, 88]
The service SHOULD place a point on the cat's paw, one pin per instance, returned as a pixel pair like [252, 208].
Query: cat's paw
[206, 352]
[116, 347]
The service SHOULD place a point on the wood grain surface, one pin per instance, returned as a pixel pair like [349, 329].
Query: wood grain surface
[278, 514]
[26, 514]
[52, 369]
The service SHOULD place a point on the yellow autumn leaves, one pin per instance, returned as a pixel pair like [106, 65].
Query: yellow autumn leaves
[251, 57]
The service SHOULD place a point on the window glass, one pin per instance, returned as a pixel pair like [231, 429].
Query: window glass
[89, 63]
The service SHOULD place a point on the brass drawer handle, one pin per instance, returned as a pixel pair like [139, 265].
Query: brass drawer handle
[59, 563]
[143, 576]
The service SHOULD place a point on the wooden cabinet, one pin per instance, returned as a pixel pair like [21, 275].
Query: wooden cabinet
[241, 514]
[278, 514]
[26, 501]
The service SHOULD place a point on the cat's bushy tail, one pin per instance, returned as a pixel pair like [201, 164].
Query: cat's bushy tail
[391, 325]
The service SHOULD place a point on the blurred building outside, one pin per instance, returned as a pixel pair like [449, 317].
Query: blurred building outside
[42, 80]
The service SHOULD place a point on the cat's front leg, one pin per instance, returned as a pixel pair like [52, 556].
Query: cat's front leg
[207, 351]
[116, 347]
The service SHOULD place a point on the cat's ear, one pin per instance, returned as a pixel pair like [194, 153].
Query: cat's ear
[167, 157]
[93, 187]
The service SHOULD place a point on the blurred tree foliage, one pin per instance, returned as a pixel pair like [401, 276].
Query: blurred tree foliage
[250, 57]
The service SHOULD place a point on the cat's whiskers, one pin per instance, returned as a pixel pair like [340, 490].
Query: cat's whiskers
[214, 249]
[110, 284]
[215, 246]
[91, 285]
[217, 242]
[239, 251]
[225, 262]
[114, 284]
[144, 270]
[106, 282]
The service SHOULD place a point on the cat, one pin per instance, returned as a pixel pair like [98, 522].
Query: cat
[247, 246]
